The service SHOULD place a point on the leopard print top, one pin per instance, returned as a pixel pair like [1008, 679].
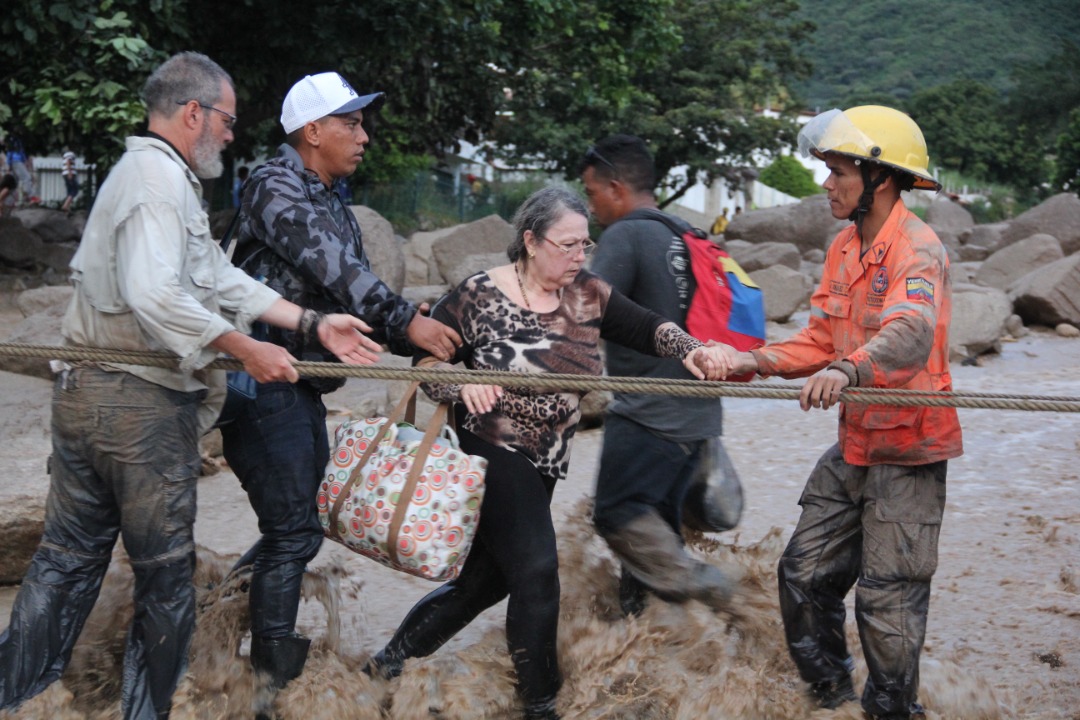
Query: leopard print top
[498, 334]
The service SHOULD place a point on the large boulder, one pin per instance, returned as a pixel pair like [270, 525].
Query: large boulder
[1014, 261]
[52, 226]
[22, 520]
[784, 289]
[472, 264]
[763, 255]
[985, 236]
[24, 249]
[31, 302]
[420, 267]
[1058, 216]
[808, 224]
[1049, 295]
[944, 213]
[487, 235]
[382, 247]
[42, 328]
[979, 315]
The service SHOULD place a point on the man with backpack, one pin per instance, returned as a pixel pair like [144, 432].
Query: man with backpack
[652, 443]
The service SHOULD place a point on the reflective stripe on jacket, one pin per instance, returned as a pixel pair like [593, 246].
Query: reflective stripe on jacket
[888, 314]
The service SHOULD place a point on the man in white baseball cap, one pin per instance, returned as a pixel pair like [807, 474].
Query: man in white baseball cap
[297, 234]
[317, 96]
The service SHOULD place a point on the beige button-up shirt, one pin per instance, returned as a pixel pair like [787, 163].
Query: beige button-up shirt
[148, 275]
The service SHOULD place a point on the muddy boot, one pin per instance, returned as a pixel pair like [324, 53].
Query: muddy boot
[632, 594]
[279, 660]
[831, 694]
[541, 711]
[656, 556]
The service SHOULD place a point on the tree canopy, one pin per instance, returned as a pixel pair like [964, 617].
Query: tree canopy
[540, 77]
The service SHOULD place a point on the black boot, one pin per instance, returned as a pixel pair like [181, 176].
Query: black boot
[831, 694]
[280, 660]
[632, 594]
[541, 711]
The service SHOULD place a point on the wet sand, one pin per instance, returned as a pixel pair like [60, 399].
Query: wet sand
[1004, 629]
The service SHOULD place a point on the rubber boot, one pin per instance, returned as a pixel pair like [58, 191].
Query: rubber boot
[632, 593]
[280, 660]
[542, 711]
[831, 694]
[655, 555]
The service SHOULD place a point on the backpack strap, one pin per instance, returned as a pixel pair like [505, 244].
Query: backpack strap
[676, 225]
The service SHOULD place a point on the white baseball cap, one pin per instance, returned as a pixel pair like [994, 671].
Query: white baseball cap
[317, 96]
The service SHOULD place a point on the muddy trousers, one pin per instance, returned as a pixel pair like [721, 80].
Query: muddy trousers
[278, 448]
[513, 554]
[112, 474]
[640, 490]
[877, 526]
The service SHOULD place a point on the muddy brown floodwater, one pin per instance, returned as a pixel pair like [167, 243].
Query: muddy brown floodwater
[1004, 630]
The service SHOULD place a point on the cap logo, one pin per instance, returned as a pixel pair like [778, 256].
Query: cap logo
[345, 84]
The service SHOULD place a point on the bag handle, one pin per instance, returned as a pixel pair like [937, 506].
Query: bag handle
[354, 477]
[406, 408]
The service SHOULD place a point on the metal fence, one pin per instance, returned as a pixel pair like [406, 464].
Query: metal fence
[431, 200]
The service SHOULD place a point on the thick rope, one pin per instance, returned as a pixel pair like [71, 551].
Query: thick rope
[572, 383]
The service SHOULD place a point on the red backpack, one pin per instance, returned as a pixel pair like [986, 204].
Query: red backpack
[727, 305]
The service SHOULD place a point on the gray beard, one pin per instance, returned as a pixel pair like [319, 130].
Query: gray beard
[206, 160]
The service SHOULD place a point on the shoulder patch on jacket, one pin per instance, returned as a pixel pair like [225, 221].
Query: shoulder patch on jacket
[920, 289]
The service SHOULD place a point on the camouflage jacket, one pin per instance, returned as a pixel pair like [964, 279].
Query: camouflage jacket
[297, 235]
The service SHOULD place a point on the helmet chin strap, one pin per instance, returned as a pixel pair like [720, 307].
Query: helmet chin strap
[866, 200]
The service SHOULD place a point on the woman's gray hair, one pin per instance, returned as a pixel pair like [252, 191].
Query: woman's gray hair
[539, 212]
[182, 78]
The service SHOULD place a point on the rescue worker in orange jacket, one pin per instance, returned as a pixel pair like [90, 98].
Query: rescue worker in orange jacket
[872, 507]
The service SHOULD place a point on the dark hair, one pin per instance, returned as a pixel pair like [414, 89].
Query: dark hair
[182, 78]
[624, 158]
[539, 212]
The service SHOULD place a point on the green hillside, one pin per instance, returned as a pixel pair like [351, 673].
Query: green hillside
[881, 49]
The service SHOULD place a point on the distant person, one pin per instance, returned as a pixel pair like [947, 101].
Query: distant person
[873, 506]
[540, 313]
[125, 460]
[22, 165]
[238, 184]
[719, 224]
[71, 180]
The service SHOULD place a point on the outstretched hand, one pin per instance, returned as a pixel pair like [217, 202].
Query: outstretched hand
[344, 336]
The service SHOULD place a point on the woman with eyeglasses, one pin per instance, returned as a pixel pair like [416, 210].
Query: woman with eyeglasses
[540, 313]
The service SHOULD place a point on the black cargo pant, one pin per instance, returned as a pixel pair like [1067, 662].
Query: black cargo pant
[125, 462]
[878, 526]
[278, 447]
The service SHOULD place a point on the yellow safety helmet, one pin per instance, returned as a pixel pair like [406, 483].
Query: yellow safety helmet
[871, 132]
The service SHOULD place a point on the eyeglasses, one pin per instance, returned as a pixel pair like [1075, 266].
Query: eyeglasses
[230, 119]
[593, 154]
[585, 246]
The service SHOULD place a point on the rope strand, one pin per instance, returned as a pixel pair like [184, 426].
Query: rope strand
[570, 382]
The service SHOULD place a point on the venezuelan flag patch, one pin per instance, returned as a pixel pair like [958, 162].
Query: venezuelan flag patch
[920, 289]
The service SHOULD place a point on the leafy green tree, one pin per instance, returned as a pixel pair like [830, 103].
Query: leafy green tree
[540, 74]
[967, 128]
[690, 82]
[790, 176]
[1067, 164]
[72, 72]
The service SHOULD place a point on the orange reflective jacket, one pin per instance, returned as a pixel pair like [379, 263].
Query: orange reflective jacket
[886, 313]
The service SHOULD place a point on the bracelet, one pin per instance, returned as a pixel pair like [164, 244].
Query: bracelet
[309, 324]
